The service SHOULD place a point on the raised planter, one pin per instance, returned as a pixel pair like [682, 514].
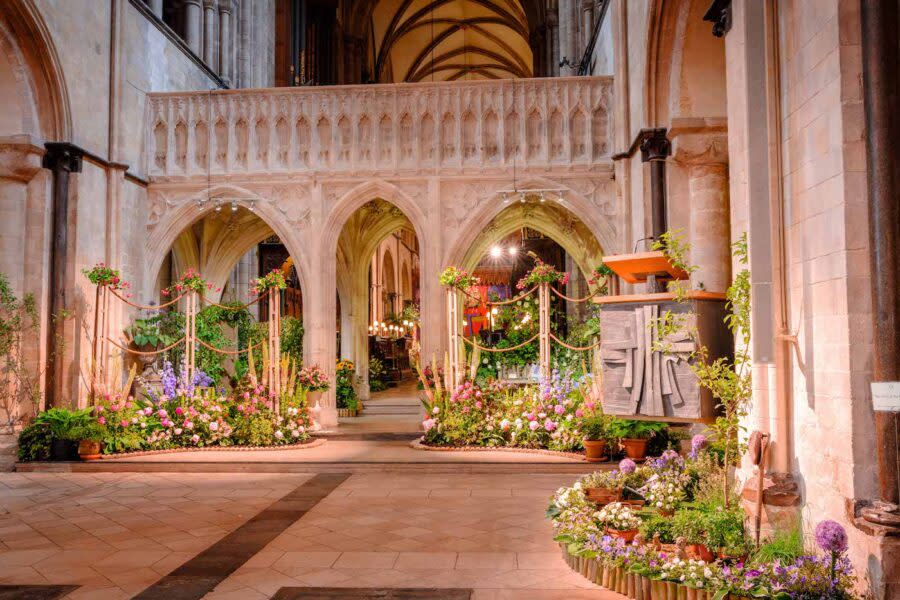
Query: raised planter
[603, 496]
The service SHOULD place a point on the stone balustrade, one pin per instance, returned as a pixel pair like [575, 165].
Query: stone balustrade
[461, 126]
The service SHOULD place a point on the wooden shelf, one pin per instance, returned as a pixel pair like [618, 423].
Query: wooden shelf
[635, 268]
[661, 297]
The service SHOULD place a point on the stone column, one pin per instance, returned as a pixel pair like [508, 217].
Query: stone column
[20, 160]
[704, 153]
[193, 30]
[157, 7]
[210, 33]
[225, 41]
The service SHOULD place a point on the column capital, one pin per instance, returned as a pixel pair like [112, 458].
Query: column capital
[701, 148]
[20, 157]
[63, 156]
[226, 6]
[210, 4]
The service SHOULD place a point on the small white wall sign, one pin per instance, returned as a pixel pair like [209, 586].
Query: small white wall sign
[886, 396]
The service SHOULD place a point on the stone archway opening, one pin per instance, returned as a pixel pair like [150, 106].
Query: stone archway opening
[504, 252]
[231, 245]
[378, 259]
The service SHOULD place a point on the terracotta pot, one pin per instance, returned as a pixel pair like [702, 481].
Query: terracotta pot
[89, 450]
[595, 450]
[627, 535]
[634, 449]
[603, 495]
[698, 552]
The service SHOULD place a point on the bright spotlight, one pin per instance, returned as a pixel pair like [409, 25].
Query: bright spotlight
[513, 250]
[496, 252]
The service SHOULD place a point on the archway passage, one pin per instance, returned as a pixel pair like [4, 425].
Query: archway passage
[377, 275]
[503, 253]
[231, 246]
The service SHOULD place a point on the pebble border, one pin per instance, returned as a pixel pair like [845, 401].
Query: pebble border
[312, 443]
[419, 444]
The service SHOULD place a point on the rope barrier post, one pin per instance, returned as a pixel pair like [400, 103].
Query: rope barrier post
[95, 346]
[275, 347]
[544, 328]
[453, 335]
[190, 332]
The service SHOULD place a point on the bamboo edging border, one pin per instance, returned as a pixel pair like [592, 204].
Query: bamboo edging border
[632, 585]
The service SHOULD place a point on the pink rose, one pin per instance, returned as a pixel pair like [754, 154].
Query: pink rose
[533, 425]
[101, 420]
[549, 425]
[178, 411]
[559, 409]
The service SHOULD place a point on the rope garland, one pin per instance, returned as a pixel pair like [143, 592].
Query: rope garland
[144, 352]
[516, 299]
[575, 300]
[240, 307]
[576, 348]
[231, 352]
[144, 306]
[475, 344]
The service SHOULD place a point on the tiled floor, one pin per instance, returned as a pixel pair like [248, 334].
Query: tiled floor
[116, 534]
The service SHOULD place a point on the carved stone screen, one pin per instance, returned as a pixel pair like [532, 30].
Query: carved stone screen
[648, 376]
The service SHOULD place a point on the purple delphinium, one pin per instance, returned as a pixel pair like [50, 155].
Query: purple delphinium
[201, 379]
[698, 443]
[626, 465]
[169, 380]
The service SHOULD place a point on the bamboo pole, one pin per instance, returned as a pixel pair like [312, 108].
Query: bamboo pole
[544, 328]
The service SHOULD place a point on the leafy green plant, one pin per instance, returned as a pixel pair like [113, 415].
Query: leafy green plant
[785, 545]
[377, 375]
[292, 338]
[634, 429]
[91, 431]
[63, 423]
[19, 323]
[34, 442]
[596, 427]
[654, 524]
[344, 391]
[687, 524]
[254, 430]
[144, 332]
[724, 529]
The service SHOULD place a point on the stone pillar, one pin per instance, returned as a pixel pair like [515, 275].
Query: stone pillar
[210, 33]
[157, 7]
[193, 31]
[704, 155]
[226, 41]
[567, 38]
[20, 160]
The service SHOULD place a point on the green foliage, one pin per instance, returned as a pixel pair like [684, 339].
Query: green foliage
[19, 322]
[377, 375]
[724, 529]
[635, 429]
[292, 338]
[688, 525]
[64, 424]
[34, 442]
[344, 391]
[254, 430]
[596, 427]
[785, 545]
[655, 524]
[158, 330]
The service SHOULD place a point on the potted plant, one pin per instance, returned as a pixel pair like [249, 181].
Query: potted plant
[89, 438]
[315, 381]
[634, 435]
[619, 520]
[689, 528]
[595, 430]
[64, 424]
[603, 487]
[347, 402]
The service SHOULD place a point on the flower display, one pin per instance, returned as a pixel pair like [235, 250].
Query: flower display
[542, 273]
[273, 280]
[190, 280]
[664, 494]
[313, 378]
[101, 274]
[616, 515]
[458, 279]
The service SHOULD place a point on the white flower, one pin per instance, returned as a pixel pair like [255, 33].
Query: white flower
[295, 433]
[178, 431]
[279, 435]
[436, 410]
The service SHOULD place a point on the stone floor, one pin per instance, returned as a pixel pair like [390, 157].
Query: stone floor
[401, 523]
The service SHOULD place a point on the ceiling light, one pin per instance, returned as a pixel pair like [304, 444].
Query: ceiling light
[496, 252]
[513, 250]
[233, 206]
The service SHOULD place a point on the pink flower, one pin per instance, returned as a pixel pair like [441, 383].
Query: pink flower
[549, 425]
[579, 413]
[162, 413]
[213, 426]
[478, 405]
[589, 405]
[179, 411]
[101, 420]
[195, 438]
[122, 423]
[427, 424]
[533, 425]
[559, 409]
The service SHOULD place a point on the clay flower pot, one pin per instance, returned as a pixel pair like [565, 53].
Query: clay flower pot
[313, 397]
[603, 496]
[699, 552]
[623, 534]
[89, 450]
[635, 449]
[595, 450]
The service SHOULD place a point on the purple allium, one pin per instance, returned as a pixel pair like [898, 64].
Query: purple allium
[831, 536]
[626, 465]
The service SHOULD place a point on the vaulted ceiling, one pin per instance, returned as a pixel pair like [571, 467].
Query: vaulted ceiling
[445, 40]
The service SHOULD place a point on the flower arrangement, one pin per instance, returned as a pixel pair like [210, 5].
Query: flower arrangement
[346, 394]
[313, 378]
[273, 280]
[600, 275]
[458, 279]
[100, 274]
[618, 517]
[190, 280]
[542, 273]
[664, 495]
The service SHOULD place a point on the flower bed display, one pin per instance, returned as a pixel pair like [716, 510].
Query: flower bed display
[645, 552]
[542, 273]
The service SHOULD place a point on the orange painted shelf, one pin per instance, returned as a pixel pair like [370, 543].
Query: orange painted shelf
[635, 268]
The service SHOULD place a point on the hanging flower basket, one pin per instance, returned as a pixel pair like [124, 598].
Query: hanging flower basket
[191, 281]
[542, 273]
[273, 280]
[457, 279]
[100, 274]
